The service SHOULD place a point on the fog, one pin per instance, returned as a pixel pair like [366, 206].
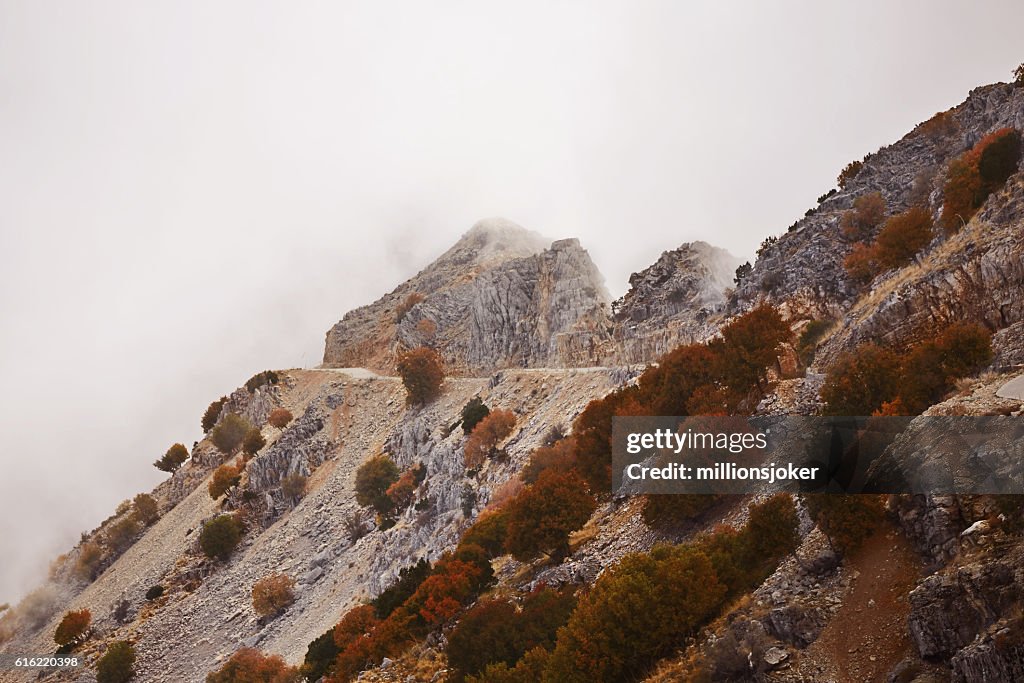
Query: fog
[191, 192]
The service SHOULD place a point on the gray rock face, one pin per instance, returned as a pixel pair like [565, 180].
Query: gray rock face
[496, 299]
[991, 660]
[933, 523]
[673, 301]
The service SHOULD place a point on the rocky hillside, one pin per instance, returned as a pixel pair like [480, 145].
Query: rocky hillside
[976, 275]
[527, 326]
[343, 418]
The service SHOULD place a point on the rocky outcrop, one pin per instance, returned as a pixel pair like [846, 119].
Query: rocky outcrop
[950, 609]
[977, 275]
[677, 300]
[991, 659]
[496, 299]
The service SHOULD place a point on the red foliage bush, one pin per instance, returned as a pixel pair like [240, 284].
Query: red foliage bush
[279, 417]
[861, 381]
[541, 518]
[867, 213]
[903, 236]
[72, 626]
[249, 665]
[422, 373]
[403, 492]
[486, 436]
[559, 457]
[974, 175]
[849, 172]
[224, 477]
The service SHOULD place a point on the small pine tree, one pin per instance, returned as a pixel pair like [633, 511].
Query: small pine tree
[253, 442]
[220, 536]
[145, 509]
[373, 479]
[175, 456]
[230, 432]
[209, 420]
[474, 411]
[224, 477]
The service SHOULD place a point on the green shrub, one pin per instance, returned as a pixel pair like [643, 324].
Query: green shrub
[154, 592]
[488, 532]
[409, 579]
[117, 665]
[999, 160]
[496, 631]
[373, 478]
[145, 509]
[230, 432]
[742, 272]
[253, 442]
[261, 379]
[175, 456]
[320, 656]
[812, 333]
[474, 411]
[975, 174]
[220, 536]
[212, 413]
[639, 611]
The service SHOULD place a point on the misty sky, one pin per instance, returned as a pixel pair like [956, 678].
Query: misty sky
[191, 192]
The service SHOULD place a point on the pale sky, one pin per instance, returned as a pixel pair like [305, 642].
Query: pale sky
[191, 192]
